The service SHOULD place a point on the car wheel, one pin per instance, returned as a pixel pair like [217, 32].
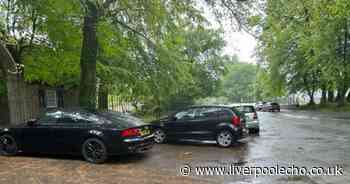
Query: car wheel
[254, 130]
[159, 136]
[224, 138]
[94, 151]
[8, 145]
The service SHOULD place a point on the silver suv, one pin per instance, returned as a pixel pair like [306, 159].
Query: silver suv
[252, 121]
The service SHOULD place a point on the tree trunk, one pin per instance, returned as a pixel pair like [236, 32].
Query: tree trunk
[341, 96]
[103, 98]
[312, 99]
[324, 96]
[330, 96]
[343, 88]
[87, 96]
[348, 97]
[341, 99]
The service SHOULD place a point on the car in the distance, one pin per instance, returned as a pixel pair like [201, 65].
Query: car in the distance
[95, 135]
[259, 105]
[252, 120]
[271, 107]
[219, 123]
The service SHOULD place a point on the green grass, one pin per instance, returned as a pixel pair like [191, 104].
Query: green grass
[331, 107]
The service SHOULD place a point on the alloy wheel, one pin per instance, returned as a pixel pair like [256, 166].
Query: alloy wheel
[8, 145]
[225, 138]
[159, 136]
[94, 151]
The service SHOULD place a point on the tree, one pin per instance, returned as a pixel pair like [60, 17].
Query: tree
[307, 47]
[238, 85]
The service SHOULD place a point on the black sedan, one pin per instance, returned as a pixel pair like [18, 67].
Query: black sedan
[95, 135]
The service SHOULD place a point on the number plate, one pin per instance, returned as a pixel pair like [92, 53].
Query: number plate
[145, 131]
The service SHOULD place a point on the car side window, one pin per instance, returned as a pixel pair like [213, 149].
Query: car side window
[50, 118]
[185, 115]
[77, 117]
[67, 120]
[207, 112]
[224, 112]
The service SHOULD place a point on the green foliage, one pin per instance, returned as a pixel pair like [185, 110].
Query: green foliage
[157, 53]
[304, 48]
[238, 85]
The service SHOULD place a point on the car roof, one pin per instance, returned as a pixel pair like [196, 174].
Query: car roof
[74, 109]
[242, 104]
[200, 106]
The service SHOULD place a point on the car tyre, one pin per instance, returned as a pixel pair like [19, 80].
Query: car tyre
[159, 136]
[94, 151]
[8, 145]
[254, 131]
[225, 138]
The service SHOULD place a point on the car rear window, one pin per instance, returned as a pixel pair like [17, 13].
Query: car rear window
[236, 111]
[121, 120]
[246, 109]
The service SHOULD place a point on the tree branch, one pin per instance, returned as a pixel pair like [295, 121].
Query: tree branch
[134, 31]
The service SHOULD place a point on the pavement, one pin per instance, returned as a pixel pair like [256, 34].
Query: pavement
[305, 139]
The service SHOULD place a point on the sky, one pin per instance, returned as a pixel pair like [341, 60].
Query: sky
[237, 42]
[240, 43]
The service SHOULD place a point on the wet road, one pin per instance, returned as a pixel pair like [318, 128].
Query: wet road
[304, 139]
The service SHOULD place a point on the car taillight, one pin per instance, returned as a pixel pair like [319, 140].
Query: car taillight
[236, 120]
[255, 116]
[130, 132]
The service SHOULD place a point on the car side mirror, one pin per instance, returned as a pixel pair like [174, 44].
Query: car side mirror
[31, 122]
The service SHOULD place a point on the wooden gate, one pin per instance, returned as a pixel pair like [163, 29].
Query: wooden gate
[23, 99]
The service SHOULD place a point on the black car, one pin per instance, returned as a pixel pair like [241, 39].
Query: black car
[95, 135]
[219, 123]
[271, 107]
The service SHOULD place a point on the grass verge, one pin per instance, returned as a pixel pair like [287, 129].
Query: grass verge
[331, 107]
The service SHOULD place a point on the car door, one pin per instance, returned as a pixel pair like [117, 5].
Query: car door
[178, 126]
[38, 138]
[69, 132]
[204, 124]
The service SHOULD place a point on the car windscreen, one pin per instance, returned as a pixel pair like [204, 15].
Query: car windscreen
[121, 120]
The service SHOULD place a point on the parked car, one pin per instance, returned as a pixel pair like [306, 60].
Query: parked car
[271, 107]
[252, 121]
[95, 135]
[259, 105]
[218, 123]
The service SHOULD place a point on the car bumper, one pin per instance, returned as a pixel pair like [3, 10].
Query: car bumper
[131, 145]
[139, 144]
[252, 124]
[243, 133]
